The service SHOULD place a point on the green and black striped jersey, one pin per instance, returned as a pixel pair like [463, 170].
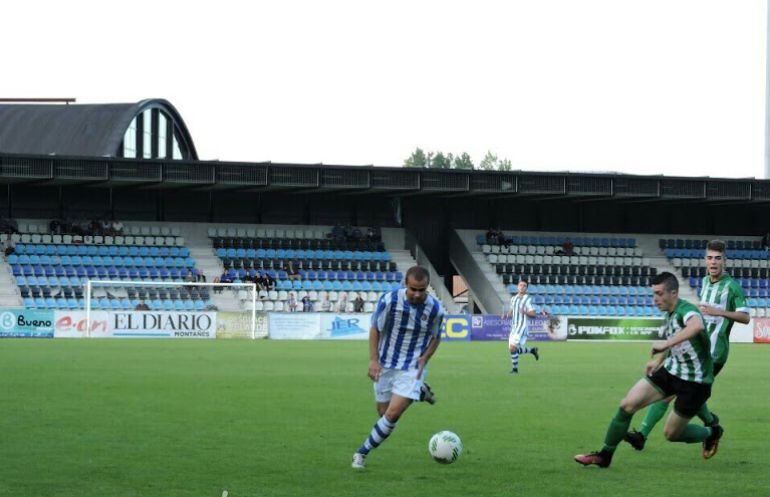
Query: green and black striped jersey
[691, 359]
[727, 294]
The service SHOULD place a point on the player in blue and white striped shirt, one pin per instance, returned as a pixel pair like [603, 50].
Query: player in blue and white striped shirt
[520, 312]
[404, 335]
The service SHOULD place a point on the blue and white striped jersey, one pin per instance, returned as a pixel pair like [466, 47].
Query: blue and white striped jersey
[520, 304]
[405, 329]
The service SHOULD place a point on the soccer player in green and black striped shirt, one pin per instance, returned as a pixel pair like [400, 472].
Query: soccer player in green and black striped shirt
[722, 303]
[681, 367]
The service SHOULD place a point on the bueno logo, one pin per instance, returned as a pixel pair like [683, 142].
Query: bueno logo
[23, 322]
[7, 320]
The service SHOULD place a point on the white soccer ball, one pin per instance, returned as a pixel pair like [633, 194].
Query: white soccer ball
[445, 447]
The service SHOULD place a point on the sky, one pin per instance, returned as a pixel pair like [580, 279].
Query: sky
[674, 87]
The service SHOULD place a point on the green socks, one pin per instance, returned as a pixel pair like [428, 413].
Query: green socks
[617, 429]
[693, 434]
[705, 415]
[654, 414]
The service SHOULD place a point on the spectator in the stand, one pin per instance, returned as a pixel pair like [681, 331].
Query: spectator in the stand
[342, 303]
[106, 228]
[348, 232]
[10, 245]
[259, 279]
[117, 228]
[199, 276]
[291, 304]
[338, 232]
[189, 277]
[766, 241]
[326, 305]
[492, 236]
[293, 272]
[81, 227]
[307, 304]
[269, 281]
[224, 278]
[358, 304]
[371, 235]
[54, 227]
[567, 248]
[142, 306]
[501, 238]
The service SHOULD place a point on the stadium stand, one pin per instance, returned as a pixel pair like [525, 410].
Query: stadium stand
[603, 276]
[50, 270]
[330, 269]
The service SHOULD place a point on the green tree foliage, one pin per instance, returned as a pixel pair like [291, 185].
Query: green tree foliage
[438, 160]
[417, 159]
[463, 161]
[489, 162]
[441, 161]
[504, 165]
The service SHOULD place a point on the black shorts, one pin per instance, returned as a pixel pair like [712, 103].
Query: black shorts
[690, 396]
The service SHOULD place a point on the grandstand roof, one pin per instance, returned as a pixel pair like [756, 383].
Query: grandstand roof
[91, 130]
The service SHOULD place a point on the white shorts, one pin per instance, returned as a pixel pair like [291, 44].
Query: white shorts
[519, 337]
[395, 381]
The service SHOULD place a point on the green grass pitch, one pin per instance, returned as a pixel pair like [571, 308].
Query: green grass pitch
[265, 418]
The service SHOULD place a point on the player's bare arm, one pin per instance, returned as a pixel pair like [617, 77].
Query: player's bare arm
[653, 364]
[374, 361]
[429, 351]
[738, 317]
[693, 326]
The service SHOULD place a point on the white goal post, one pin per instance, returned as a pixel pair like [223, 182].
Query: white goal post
[172, 297]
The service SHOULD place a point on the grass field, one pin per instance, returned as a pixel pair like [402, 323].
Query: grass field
[265, 418]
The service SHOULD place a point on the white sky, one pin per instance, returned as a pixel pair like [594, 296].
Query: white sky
[673, 87]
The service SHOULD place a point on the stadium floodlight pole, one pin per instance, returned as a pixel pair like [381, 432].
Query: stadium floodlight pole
[767, 95]
[88, 308]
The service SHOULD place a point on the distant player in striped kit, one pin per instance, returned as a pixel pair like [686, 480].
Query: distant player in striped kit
[722, 303]
[404, 335]
[520, 312]
[681, 367]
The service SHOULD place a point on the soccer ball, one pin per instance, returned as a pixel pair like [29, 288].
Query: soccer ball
[445, 447]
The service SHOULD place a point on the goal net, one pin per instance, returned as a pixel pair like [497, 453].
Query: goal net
[124, 308]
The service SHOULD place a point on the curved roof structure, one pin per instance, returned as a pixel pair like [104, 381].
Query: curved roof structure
[88, 130]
